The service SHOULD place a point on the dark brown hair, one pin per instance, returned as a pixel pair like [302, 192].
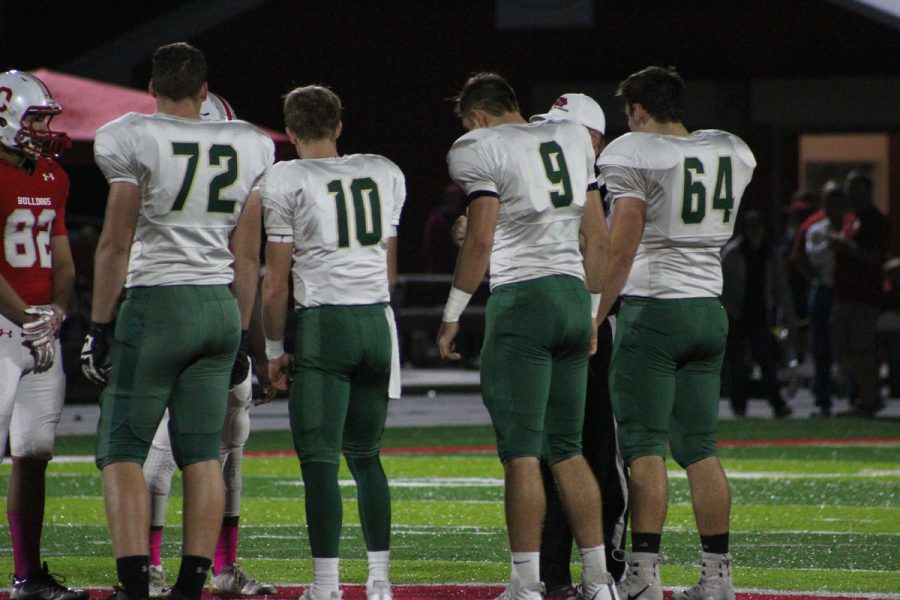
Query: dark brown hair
[488, 92]
[179, 70]
[312, 112]
[659, 91]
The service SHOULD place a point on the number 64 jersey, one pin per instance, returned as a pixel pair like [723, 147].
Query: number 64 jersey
[338, 213]
[194, 177]
[32, 210]
[692, 186]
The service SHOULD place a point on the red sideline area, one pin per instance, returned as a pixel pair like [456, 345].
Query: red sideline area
[486, 592]
[722, 444]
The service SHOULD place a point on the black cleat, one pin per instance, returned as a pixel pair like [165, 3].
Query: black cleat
[42, 585]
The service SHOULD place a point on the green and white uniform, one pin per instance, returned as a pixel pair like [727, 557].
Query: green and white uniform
[670, 340]
[338, 214]
[179, 327]
[534, 361]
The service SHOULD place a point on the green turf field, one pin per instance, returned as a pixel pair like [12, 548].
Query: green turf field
[823, 517]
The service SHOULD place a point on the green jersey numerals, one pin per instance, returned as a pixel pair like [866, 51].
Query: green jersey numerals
[366, 211]
[693, 207]
[217, 153]
[557, 173]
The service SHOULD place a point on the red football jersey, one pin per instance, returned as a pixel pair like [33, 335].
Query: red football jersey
[32, 210]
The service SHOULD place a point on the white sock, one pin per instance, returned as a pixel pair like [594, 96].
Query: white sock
[379, 563]
[325, 574]
[526, 568]
[593, 563]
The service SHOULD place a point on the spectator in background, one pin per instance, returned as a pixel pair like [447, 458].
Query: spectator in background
[756, 296]
[858, 287]
[819, 267]
[803, 204]
[437, 240]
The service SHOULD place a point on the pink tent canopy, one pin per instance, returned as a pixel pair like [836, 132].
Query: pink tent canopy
[88, 104]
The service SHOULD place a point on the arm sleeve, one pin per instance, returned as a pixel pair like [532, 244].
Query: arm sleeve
[471, 170]
[268, 158]
[114, 154]
[278, 210]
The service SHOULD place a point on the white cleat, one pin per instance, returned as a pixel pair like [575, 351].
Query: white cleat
[602, 589]
[379, 590]
[515, 591]
[715, 580]
[642, 578]
[311, 593]
[159, 587]
[232, 581]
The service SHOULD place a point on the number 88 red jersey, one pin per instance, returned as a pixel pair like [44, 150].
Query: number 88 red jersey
[32, 210]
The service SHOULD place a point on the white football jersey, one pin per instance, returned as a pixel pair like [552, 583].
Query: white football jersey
[540, 172]
[692, 186]
[338, 213]
[194, 178]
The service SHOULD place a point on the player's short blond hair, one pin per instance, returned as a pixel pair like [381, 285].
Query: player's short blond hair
[312, 112]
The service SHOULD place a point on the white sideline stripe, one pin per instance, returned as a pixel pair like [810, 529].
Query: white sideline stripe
[418, 482]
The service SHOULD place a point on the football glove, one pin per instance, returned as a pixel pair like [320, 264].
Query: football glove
[95, 352]
[46, 326]
[43, 353]
[241, 360]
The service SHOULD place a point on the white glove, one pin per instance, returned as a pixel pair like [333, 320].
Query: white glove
[49, 319]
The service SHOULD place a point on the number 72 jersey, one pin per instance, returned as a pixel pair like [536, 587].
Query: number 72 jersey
[338, 214]
[692, 187]
[194, 178]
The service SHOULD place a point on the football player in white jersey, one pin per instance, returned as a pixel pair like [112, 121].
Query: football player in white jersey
[37, 281]
[183, 206]
[532, 190]
[228, 577]
[675, 199]
[331, 223]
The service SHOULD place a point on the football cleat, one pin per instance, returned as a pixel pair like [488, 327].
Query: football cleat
[642, 578]
[159, 587]
[379, 590]
[44, 586]
[603, 589]
[311, 593]
[233, 581]
[516, 591]
[562, 592]
[715, 580]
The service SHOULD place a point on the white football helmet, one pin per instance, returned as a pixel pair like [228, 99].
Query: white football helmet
[216, 108]
[25, 100]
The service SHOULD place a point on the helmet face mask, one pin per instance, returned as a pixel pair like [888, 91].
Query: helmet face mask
[26, 109]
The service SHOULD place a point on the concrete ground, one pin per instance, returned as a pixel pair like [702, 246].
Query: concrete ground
[444, 397]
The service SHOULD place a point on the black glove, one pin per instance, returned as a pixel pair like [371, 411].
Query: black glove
[241, 361]
[95, 352]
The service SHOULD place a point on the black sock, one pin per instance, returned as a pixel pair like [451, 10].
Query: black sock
[192, 576]
[134, 576]
[645, 542]
[715, 544]
[231, 521]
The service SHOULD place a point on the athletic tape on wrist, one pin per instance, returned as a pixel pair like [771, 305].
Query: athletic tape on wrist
[274, 349]
[456, 304]
[595, 304]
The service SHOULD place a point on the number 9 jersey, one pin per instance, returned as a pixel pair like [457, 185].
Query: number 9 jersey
[32, 210]
[338, 213]
[194, 178]
[692, 186]
[540, 173]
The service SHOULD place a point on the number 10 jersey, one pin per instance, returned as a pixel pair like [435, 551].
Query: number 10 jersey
[194, 177]
[338, 214]
[692, 186]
